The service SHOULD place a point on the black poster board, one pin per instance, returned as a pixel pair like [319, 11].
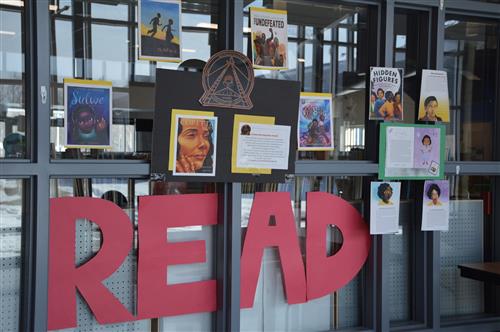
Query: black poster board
[182, 90]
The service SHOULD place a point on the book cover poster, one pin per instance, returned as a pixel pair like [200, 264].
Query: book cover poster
[174, 113]
[427, 145]
[87, 114]
[315, 123]
[160, 30]
[386, 94]
[434, 103]
[269, 38]
[384, 207]
[436, 205]
[195, 144]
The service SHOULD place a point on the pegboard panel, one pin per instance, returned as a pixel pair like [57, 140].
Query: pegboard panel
[399, 266]
[122, 283]
[10, 274]
[11, 211]
[463, 243]
[350, 303]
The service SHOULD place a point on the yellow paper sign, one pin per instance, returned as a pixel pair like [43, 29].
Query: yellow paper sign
[238, 119]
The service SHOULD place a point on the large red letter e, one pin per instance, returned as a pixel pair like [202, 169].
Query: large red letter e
[156, 214]
[65, 277]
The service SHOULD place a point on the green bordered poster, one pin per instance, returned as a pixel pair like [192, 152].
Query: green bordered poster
[411, 152]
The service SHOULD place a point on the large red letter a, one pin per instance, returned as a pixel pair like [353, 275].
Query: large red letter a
[282, 235]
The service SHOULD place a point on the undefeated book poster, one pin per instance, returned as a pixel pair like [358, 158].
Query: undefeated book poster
[269, 38]
[160, 30]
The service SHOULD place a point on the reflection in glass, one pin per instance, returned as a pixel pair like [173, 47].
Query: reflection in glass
[97, 40]
[471, 59]
[408, 55]
[11, 221]
[401, 259]
[323, 55]
[12, 93]
[467, 241]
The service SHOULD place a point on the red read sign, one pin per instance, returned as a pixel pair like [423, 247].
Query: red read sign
[322, 274]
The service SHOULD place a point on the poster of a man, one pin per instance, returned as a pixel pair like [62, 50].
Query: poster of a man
[160, 30]
[195, 145]
[269, 38]
[430, 106]
[87, 113]
[434, 105]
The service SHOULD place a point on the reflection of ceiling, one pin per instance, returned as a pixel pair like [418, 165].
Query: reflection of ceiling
[400, 24]
[319, 15]
[460, 30]
[207, 7]
[311, 13]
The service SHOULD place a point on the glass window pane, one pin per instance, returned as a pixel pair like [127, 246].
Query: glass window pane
[401, 259]
[62, 7]
[471, 58]
[409, 27]
[292, 30]
[12, 207]
[468, 241]
[106, 65]
[309, 72]
[325, 45]
[13, 131]
[81, 39]
[342, 35]
[270, 311]
[111, 11]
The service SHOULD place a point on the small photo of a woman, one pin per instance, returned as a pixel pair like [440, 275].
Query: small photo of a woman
[245, 129]
[195, 146]
[384, 192]
[434, 193]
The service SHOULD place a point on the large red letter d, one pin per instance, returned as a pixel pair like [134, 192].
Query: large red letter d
[328, 274]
